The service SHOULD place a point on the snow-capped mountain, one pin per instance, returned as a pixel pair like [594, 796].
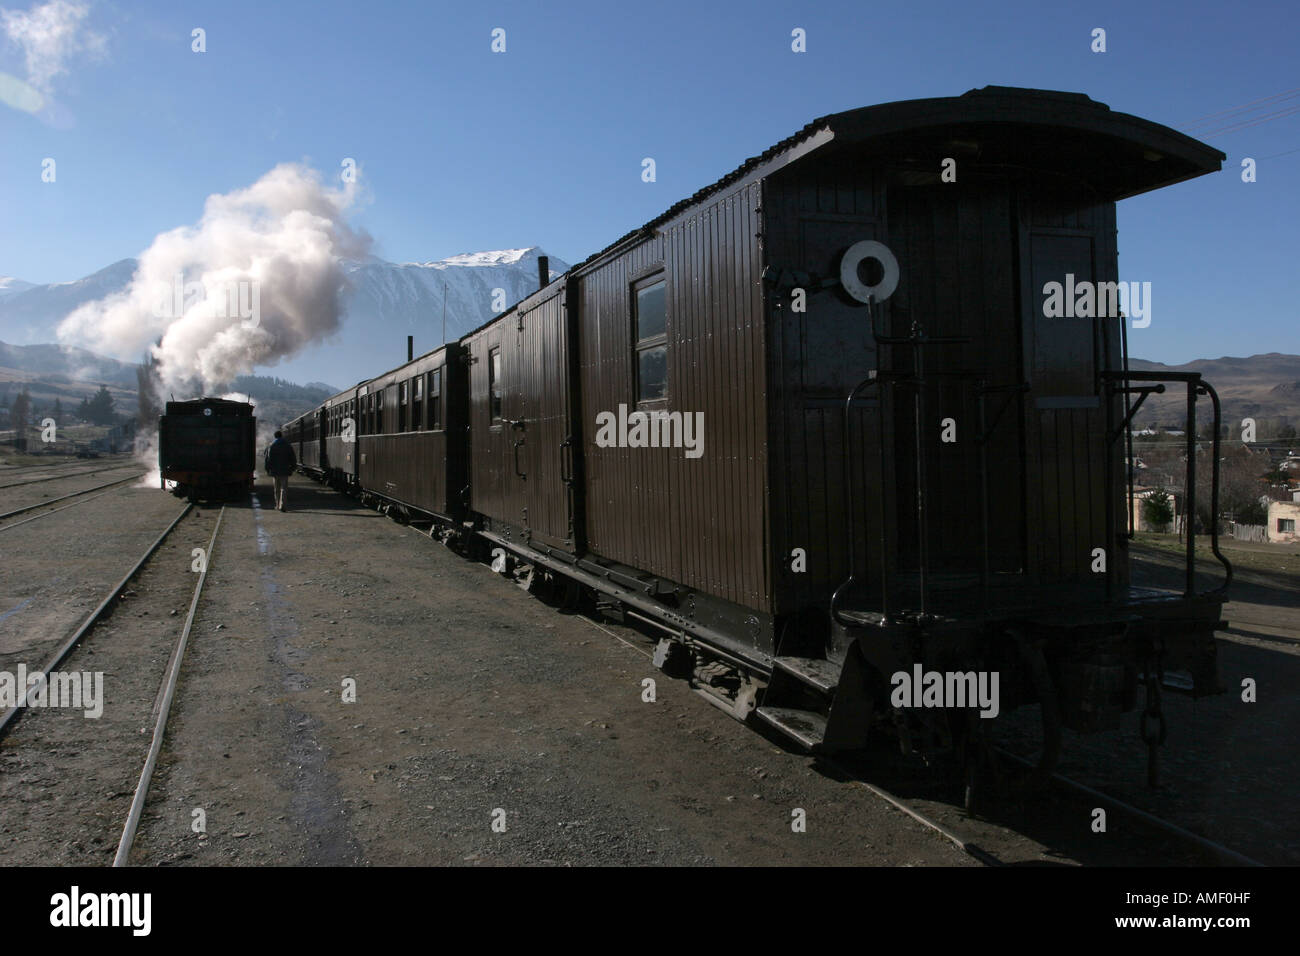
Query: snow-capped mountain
[28, 316]
[387, 302]
[11, 286]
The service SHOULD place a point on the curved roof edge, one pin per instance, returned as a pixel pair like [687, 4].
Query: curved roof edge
[997, 105]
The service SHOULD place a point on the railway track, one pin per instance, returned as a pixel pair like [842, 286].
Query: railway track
[52, 501]
[166, 694]
[71, 474]
[129, 638]
[965, 844]
[1221, 853]
[11, 714]
[985, 851]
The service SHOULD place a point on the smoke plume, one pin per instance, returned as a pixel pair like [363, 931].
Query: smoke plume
[257, 279]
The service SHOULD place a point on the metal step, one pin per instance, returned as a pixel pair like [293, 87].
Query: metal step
[815, 671]
[805, 726]
[863, 618]
[1179, 682]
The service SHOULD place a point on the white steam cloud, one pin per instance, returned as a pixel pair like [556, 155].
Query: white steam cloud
[257, 279]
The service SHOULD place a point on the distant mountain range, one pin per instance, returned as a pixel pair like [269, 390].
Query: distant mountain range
[1263, 387]
[387, 301]
[52, 373]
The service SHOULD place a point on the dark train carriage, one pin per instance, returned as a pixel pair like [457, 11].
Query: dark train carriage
[295, 432]
[672, 329]
[969, 370]
[522, 423]
[410, 435]
[339, 462]
[308, 441]
[965, 511]
[207, 447]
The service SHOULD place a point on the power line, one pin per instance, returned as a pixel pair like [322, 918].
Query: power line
[1237, 127]
[1276, 155]
[1204, 120]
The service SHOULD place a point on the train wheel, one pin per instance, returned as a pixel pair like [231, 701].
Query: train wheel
[571, 595]
[546, 586]
[973, 755]
[528, 578]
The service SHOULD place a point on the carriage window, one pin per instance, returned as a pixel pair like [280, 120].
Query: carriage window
[435, 398]
[417, 404]
[403, 393]
[494, 382]
[379, 412]
[651, 323]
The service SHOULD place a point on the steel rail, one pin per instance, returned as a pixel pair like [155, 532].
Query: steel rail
[71, 474]
[966, 846]
[164, 711]
[19, 524]
[12, 713]
[1220, 851]
[55, 501]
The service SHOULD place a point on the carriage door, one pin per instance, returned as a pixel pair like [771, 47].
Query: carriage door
[957, 260]
[541, 426]
[1068, 344]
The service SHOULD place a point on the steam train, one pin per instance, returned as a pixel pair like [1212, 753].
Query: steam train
[207, 448]
[818, 425]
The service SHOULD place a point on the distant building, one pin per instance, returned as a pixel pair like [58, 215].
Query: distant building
[1136, 501]
[1283, 519]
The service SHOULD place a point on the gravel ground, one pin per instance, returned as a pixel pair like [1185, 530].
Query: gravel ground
[66, 779]
[1226, 771]
[64, 481]
[55, 570]
[475, 704]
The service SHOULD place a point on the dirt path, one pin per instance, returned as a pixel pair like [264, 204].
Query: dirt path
[474, 703]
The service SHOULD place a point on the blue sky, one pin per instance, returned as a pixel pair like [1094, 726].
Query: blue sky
[462, 149]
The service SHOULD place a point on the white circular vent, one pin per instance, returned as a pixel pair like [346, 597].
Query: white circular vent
[858, 253]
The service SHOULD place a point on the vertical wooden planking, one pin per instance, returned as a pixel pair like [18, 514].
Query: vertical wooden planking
[696, 521]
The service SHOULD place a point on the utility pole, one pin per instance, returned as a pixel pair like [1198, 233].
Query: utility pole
[444, 313]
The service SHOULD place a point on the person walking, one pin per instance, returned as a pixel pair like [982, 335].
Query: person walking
[280, 463]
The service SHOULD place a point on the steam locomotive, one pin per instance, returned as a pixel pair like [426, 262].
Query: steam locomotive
[207, 448]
